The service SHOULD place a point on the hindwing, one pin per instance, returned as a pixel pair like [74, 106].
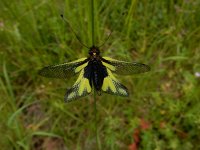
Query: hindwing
[80, 88]
[64, 70]
[112, 86]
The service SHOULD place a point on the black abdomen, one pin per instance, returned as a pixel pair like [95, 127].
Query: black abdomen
[95, 72]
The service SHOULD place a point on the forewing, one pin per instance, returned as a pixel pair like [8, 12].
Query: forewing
[123, 67]
[80, 88]
[112, 86]
[64, 70]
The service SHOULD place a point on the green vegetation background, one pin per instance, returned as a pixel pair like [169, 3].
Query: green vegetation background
[163, 104]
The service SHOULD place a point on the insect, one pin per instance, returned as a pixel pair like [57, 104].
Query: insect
[95, 72]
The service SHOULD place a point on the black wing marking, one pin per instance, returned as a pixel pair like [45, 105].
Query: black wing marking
[80, 88]
[64, 70]
[123, 67]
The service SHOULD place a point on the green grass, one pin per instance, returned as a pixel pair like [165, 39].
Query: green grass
[162, 34]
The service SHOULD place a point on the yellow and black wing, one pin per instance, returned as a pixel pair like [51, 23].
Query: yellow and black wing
[80, 88]
[112, 86]
[123, 67]
[64, 70]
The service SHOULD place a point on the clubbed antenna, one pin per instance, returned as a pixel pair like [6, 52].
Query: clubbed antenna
[105, 40]
[73, 31]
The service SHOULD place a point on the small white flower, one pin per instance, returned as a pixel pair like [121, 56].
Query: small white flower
[197, 74]
[1, 24]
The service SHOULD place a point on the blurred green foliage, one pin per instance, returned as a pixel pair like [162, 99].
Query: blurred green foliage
[162, 34]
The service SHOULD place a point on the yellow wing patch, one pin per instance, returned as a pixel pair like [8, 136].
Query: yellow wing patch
[108, 84]
[109, 66]
[108, 58]
[112, 86]
[80, 88]
[79, 68]
[78, 60]
[84, 85]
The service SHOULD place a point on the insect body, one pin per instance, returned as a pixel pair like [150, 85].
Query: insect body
[95, 72]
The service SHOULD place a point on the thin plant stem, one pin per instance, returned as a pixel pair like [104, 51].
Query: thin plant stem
[92, 18]
[96, 130]
[95, 100]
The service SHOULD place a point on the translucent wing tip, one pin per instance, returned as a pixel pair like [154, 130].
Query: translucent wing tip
[40, 72]
[146, 68]
[141, 68]
[43, 72]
